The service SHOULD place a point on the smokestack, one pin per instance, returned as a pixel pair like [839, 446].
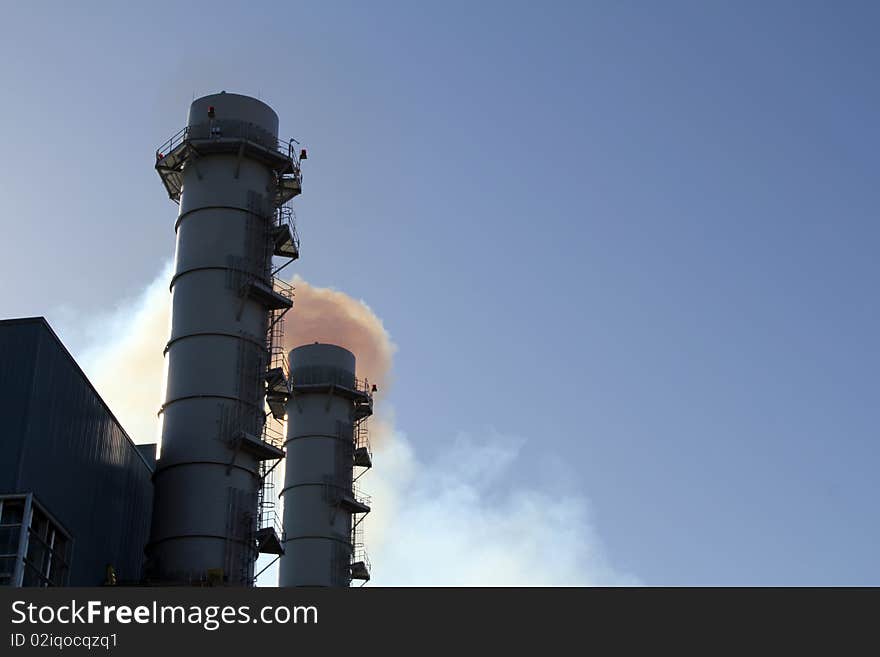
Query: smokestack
[231, 178]
[326, 440]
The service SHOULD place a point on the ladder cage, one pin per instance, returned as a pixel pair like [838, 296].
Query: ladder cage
[269, 504]
[362, 436]
[361, 567]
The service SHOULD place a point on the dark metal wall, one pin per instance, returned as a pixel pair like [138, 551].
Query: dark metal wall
[60, 441]
[18, 348]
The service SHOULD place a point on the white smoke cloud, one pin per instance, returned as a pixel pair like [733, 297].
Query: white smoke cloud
[461, 520]
[128, 369]
[464, 520]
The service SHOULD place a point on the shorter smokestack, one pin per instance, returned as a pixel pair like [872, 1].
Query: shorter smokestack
[326, 440]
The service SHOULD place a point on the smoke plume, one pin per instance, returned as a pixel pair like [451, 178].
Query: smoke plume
[460, 520]
[322, 314]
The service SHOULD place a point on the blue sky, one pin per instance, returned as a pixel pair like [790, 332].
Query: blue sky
[639, 237]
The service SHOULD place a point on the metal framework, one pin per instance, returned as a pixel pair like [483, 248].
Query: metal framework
[36, 548]
[242, 139]
[270, 532]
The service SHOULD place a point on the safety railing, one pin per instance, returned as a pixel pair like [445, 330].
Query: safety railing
[232, 130]
[176, 140]
[269, 516]
[287, 217]
[283, 288]
[275, 331]
[364, 386]
[273, 433]
[360, 495]
[275, 342]
[359, 553]
[322, 375]
[362, 436]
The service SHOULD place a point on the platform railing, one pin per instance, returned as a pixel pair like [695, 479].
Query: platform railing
[232, 130]
[360, 495]
[286, 216]
[273, 435]
[358, 547]
[269, 516]
[359, 553]
[362, 436]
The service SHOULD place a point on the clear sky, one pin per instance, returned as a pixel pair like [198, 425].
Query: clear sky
[639, 238]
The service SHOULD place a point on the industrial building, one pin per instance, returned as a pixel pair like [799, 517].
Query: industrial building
[75, 491]
[98, 509]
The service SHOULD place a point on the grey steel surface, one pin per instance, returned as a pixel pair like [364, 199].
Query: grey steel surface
[230, 108]
[207, 478]
[318, 469]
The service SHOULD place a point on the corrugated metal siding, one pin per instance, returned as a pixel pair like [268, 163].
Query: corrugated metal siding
[18, 345]
[81, 465]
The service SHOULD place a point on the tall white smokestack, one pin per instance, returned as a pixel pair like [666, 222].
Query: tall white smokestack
[231, 178]
[326, 442]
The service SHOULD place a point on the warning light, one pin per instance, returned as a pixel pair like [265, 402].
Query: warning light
[211, 112]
